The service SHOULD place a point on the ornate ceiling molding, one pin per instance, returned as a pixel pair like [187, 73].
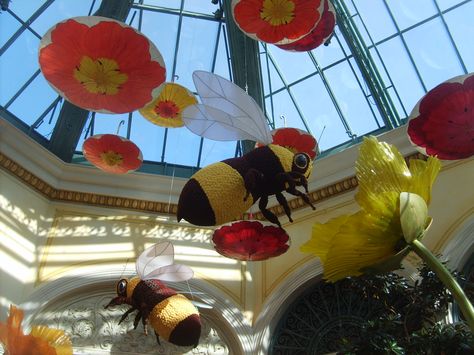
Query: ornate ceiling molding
[78, 184]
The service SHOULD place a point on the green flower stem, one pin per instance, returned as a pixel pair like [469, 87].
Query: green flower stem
[448, 280]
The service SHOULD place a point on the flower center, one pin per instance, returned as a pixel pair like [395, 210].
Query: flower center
[277, 12]
[167, 109]
[111, 158]
[100, 76]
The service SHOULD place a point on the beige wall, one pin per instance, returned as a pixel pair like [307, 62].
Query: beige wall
[45, 240]
[25, 221]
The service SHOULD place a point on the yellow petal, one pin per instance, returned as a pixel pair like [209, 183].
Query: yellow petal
[322, 237]
[56, 338]
[424, 174]
[348, 244]
[380, 169]
[383, 174]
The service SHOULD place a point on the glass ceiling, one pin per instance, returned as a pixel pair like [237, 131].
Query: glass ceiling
[383, 57]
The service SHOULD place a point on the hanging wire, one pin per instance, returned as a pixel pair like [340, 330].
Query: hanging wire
[121, 123]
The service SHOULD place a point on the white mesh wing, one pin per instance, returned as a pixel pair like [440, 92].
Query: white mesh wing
[212, 123]
[154, 257]
[242, 113]
[171, 273]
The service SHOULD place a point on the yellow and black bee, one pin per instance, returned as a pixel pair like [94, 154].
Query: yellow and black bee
[171, 315]
[221, 192]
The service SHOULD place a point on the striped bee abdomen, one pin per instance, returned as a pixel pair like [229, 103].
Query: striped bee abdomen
[171, 315]
[177, 321]
[214, 195]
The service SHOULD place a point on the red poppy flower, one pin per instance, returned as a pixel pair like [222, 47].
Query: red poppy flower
[250, 241]
[296, 140]
[101, 64]
[442, 123]
[277, 21]
[318, 35]
[112, 153]
[166, 110]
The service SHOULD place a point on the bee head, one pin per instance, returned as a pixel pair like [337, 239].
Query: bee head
[122, 287]
[302, 163]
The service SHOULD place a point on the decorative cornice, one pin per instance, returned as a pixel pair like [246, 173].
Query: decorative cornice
[108, 201]
[77, 197]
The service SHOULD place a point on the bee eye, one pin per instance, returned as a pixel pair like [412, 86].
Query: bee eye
[301, 161]
[122, 287]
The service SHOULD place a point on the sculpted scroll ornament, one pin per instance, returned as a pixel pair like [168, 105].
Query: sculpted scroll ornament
[94, 330]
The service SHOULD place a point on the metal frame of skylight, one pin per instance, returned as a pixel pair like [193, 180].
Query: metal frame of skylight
[51, 109]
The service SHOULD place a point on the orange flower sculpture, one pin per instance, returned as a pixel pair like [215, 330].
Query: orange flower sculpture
[295, 140]
[41, 341]
[101, 65]
[277, 21]
[318, 35]
[112, 153]
[167, 109]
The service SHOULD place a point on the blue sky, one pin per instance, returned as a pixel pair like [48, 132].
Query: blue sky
[414, 52]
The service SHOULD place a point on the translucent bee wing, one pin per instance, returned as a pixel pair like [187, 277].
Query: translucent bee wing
[154, 257]
[212, 123]
[242, 111]
[171, 273]
[201, 304]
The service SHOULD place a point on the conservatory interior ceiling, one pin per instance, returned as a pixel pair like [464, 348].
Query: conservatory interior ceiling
[382, 58]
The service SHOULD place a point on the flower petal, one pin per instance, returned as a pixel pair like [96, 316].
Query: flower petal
[383, 174]
[348, 244]
[250, 241]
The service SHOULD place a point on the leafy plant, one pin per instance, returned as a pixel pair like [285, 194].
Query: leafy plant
[410, 320]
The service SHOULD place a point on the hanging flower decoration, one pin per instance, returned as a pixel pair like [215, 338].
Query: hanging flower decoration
[349, 245]
[250, 241]
[319, 35]
[442, 122]
[41, 341]
[277, 21]
[101, 65]
[166, 110]
[112, 153]
[296, 140]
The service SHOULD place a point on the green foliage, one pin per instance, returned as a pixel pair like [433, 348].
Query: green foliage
[409, 318]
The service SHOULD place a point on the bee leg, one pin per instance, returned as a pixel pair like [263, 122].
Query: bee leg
[284, 203]
[157, 338]
[145, 324]
[262, 204]
[124, 316]
[137, 320]
[302, 181]
[252, 179]
[298, 193]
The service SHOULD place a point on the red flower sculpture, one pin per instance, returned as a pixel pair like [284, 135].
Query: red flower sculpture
[250, 241]
[112, 153]
[101, 64]
[296, 140]
[318, 35]
[442, 123]
[277, 21]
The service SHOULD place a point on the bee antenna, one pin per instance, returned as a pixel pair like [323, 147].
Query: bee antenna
[124, 268]
[320, 136]
[190, 291]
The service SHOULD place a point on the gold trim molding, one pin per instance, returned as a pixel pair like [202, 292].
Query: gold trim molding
[99, 200]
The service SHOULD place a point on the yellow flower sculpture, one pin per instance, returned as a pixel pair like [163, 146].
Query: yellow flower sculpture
[347, 245]
[167, 109]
